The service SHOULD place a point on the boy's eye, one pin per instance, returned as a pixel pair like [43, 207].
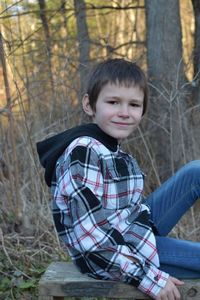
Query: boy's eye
[135, 104]
[112, 102]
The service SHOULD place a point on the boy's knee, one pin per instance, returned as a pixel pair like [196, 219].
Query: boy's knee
[192, 167]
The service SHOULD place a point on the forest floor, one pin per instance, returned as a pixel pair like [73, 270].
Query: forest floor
[23, 259]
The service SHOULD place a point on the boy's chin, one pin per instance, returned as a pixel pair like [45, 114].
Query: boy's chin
[118, 133]
[121, 136]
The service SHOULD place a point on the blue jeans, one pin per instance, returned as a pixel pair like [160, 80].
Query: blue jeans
[168, 204]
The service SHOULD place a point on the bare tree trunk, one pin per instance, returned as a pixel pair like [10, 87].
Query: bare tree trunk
[164, 41]
[84, 44]
[24, 63]
[4, 68]
[45, 25]
[194, 111]
[166, 78]
[196, 59]
[11, 160]
[62, 10]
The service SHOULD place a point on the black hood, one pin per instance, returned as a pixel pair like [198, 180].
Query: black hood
[52, 148]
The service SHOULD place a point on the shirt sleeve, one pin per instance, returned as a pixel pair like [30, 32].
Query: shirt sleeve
[80, 183]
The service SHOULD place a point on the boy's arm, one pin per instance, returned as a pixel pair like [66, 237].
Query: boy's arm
[82, 183]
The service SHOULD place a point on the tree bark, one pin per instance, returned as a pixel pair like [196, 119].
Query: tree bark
[4, 68]
[166, 79]
[42, 5]
[83, 40]
[12, 160]
[196, 59]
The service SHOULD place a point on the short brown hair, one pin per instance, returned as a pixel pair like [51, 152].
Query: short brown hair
[117, 71]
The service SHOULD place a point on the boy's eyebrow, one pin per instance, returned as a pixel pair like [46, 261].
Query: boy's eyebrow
[136, 100]
[119, 98]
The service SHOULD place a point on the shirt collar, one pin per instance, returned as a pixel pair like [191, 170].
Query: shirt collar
[96, 132]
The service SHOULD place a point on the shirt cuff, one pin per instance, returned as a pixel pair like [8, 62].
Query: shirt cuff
[153, 281]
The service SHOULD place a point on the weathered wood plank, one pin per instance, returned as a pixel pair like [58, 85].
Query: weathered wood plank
[41, 297]
[63, 279]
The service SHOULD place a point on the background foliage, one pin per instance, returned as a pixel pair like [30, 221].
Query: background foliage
[46, 50]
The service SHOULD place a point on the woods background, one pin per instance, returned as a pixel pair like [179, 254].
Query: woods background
[46, 50]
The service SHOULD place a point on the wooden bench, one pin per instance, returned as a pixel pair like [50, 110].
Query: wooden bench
[62, 279]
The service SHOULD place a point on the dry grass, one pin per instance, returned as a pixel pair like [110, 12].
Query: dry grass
[28, 241]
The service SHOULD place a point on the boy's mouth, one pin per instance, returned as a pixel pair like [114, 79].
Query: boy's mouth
[122, 123]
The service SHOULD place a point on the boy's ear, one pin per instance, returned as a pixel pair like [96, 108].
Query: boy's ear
[86, 105]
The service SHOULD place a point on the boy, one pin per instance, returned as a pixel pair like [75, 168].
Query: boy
[109, 230]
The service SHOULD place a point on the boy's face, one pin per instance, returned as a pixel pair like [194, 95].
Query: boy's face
[118, 109]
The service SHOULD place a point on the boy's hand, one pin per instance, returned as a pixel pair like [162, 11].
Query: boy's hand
[170, 291]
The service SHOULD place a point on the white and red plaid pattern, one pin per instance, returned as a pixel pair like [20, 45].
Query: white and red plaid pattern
[100, 216]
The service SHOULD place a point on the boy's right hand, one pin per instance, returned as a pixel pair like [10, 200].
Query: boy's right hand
[170, 291]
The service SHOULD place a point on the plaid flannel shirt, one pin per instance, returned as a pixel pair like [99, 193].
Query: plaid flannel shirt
[100, 216]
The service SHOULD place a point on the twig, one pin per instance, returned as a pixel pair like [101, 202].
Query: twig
[4, 248]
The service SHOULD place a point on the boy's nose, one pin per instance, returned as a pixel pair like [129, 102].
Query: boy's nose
[123, 111]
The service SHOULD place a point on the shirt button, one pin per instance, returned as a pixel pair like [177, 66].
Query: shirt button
[156, 278]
